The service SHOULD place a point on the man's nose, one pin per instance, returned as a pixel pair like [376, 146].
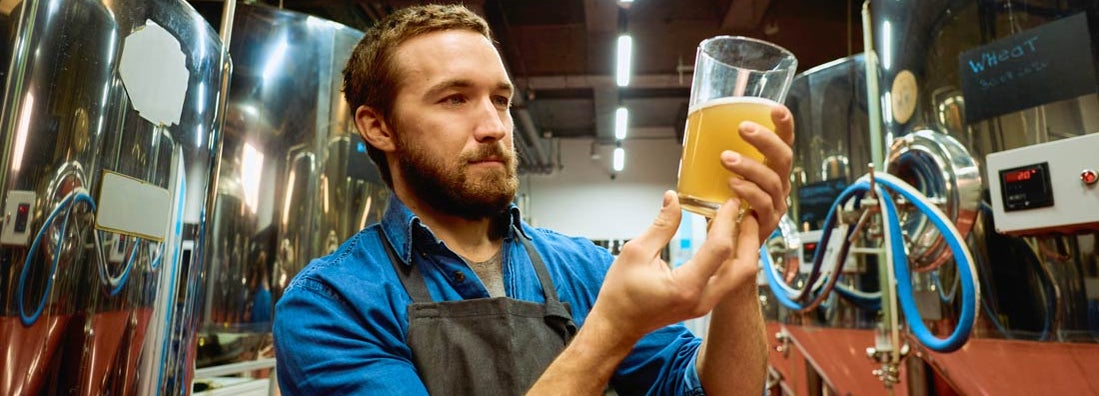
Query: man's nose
[493, 123]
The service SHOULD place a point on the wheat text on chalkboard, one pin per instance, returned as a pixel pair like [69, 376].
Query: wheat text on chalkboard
[989, 59]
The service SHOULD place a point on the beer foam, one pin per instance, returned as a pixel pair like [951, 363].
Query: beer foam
[732, 100]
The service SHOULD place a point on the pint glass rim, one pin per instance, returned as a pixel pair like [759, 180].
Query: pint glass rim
[786, 55]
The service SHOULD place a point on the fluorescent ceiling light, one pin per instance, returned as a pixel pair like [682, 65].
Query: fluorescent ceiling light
[619, 159]
[621, 122]
[887, 45]
[625, 46]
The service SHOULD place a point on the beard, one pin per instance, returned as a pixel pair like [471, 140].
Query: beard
[451, 189]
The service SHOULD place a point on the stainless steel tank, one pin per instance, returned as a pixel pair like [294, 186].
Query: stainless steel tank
[110, 116]
[831, 151]
[1034, 286]
[294, 179]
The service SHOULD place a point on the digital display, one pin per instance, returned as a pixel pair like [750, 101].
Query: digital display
[1019, 175]
[808, 249]
[1026, 187]
[21, 217]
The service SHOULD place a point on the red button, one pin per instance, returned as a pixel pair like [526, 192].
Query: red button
[1089, 176]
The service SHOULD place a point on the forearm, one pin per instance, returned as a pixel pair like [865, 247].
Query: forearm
[733, 356]
[587, 363]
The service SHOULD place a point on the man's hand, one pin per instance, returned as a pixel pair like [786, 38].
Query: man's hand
[765, 186]
[642, 293]
[736, 340]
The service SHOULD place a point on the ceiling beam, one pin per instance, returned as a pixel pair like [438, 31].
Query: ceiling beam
[604, 81]
[601, 16]
[744, 14]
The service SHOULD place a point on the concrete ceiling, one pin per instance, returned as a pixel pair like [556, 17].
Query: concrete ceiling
[560, 53]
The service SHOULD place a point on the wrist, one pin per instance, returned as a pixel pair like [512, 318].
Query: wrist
[614, 333]
[740, 299]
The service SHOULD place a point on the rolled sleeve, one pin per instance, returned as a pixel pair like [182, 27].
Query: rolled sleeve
[691, 382]
[319, 351]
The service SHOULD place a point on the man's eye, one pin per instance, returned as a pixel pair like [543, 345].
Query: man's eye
[453, 100]
[502, 101]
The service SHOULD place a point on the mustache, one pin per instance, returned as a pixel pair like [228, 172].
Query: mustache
[489, 151]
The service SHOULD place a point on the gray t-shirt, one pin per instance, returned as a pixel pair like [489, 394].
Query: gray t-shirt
[491, 273]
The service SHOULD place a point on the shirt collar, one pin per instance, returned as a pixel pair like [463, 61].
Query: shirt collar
[401, 225]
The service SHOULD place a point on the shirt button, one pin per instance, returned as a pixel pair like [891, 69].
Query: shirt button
[459, 276]
[423, 254]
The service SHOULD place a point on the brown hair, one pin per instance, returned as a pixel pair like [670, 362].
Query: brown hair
[370, 78]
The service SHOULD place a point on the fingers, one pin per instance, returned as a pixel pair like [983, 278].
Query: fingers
[717, 248]
[747, 246]
[760, 175]
[739, 269]
[766, 210]
[784, 124]
[649, 243]
[779, 154]
[760, 187]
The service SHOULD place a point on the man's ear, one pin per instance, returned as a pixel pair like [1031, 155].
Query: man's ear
[374, 129]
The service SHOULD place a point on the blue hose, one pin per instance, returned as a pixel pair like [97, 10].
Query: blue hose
[66, 203]
[115, 286]
[944, 296]
[786, 294]
[900, 264]
[904, 279]
[867, 301]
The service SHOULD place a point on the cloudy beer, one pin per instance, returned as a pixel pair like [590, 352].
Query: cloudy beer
[712, 127]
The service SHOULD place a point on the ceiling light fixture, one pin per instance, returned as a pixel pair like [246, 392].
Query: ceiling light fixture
[619, 159]
[621, 122]
[625, 46]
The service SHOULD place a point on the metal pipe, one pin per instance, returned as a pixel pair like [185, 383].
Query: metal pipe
[530, 133]
[234, 368]
[873, 93]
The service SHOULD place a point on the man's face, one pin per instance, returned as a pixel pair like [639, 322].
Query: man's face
[452, 124]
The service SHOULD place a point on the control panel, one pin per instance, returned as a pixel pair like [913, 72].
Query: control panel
[1046, 188]
[810, 242]
[18, 209]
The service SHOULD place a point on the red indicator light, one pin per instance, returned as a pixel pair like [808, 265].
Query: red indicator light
[1089, 176]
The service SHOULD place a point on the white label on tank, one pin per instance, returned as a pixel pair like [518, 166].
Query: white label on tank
[154, 72]
[132, 207]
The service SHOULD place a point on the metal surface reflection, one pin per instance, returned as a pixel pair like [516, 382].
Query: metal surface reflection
[831, 151]
[942, 169]
[294, 179]
[829, 107]
[1036, 284]
[103, 195]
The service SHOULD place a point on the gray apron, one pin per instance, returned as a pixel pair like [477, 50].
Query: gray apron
[484, 346]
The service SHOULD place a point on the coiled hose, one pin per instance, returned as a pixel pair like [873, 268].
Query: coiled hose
[113, 284]
[969, 287]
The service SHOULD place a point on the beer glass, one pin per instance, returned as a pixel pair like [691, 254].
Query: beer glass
[736, 79]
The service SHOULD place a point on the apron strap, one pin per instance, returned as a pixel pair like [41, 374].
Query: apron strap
[410, 277]
[557, 314]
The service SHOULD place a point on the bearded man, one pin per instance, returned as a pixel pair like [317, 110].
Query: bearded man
[451, 293]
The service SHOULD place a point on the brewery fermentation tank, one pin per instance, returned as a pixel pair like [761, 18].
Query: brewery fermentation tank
[294, 181]
[829, 107]
[831, 151]
[932, 93]
[110, 116]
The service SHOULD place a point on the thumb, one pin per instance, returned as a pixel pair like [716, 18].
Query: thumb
[663, 227]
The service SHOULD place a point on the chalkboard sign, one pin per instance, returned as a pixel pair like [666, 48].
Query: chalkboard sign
[1048, 63]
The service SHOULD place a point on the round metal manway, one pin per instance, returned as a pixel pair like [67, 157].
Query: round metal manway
[941, 168]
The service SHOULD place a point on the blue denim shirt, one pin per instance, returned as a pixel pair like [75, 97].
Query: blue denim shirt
[340, 327]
